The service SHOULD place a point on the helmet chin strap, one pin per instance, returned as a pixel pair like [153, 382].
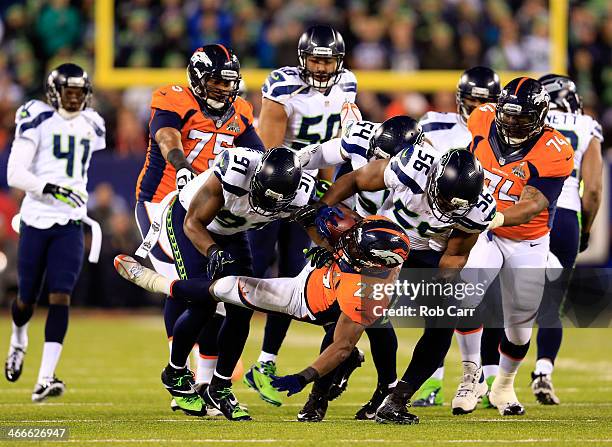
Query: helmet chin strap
[68, 115]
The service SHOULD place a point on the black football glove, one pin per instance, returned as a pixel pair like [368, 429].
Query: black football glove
[319, 257]
[584, 241]
[64, 194]
[295, 383]
[184, 176]
[218, 261]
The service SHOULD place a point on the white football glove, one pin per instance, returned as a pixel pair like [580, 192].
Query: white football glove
[183, 176]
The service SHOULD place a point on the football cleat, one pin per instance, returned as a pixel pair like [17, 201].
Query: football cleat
[314, 409]
[14, 364]
[430, 394]
[180, 384]
[132, 270]
[485, 402]
[470, 390]
[543, 390]
[49, 388]
[344, 371]
[223, 400]
[394, 412]
[259, 377]
[368, 411]
[503, 397]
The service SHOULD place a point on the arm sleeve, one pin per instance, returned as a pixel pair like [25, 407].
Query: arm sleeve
[250, 139]
[18, 176]
[549, 186]
[164, 118]
[322, 155]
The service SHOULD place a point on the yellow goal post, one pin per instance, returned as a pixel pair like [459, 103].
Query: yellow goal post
[107, 76]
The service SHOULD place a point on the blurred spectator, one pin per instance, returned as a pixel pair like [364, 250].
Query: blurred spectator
[58, 26]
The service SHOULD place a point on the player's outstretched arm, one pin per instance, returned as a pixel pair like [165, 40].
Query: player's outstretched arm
[171, 147]
[531, 203]
[203, 208]
[590, 173]
[272, 123]
[369, 178]
[346, 336]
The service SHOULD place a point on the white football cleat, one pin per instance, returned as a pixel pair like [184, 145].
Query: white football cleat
[470, 390]
[132, 270]
[503, 397]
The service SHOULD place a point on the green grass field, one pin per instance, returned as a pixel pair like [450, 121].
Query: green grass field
[111, 364]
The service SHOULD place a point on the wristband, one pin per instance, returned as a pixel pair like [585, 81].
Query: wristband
[309, 374]
[498, 221]
[212, 249]
[176, 157]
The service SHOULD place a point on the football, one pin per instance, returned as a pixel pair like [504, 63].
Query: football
[343, 224]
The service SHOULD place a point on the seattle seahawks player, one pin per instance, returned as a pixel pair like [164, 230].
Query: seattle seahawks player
[441, 203]
[446, 131]
[49, 159]
[300, 106]
[205, 228]
[568, 236]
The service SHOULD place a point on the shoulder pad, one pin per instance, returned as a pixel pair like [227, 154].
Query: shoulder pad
[96, 121]
[306, 191]
[173, 98]
[481, 117]
[594, 127]
[553, 155]
[244, 109]
[356, 138]
[478, 218]
[281, 84]
[31, 109]
[348, 81]
[234, 167]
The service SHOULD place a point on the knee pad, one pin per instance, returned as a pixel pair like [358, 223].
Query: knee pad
[518, 335]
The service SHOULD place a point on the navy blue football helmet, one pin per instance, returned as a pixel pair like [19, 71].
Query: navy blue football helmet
[219, 63]
[321, 41]
[521, 112]
[393, 136]
[454, 185]
[477, 85]
[275, 181]
[68, 75]
[563, 93]
[374, 243]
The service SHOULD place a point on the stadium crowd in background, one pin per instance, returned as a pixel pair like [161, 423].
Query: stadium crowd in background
[36, 35]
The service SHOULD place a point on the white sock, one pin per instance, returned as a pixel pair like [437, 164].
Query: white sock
[50, 357]
[489, 370]
[508, 364]
[19, 336]
[206, 368]
[266, 357]
[504, 382]
[544, 366]
[469, 345]
[438, 374]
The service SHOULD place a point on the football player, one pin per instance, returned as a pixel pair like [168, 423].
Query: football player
[191, 124]
[526, 163]
[330, 289]
[204, 229]
[440, 202]
[446, 131]
[300, 106]
[49, 160]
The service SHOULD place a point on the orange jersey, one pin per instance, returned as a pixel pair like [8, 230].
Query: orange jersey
[551, 156]
[329, 291]
[202, 137]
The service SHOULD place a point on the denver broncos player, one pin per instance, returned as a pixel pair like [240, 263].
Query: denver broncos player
[440, 203]
[300, 106]
[525, 164]
[332, 288]
[190, 125]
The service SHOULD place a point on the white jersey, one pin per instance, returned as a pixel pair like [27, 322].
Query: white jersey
[445, 131]
[234, 170]
[313, 117]
[63, 152]
[579, 130]
[407, 204]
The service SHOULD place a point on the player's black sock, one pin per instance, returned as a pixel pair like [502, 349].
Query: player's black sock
[383, 344]
[516, 352]
[489, 345]
[207, 340]
[57, 323]
[549, 342]
[232, 338]
[21, 316]
[429, 351]
[185, 333]
[172, 311]
[219, 382]
[275, 332]
[194, 290]
[403, 391]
